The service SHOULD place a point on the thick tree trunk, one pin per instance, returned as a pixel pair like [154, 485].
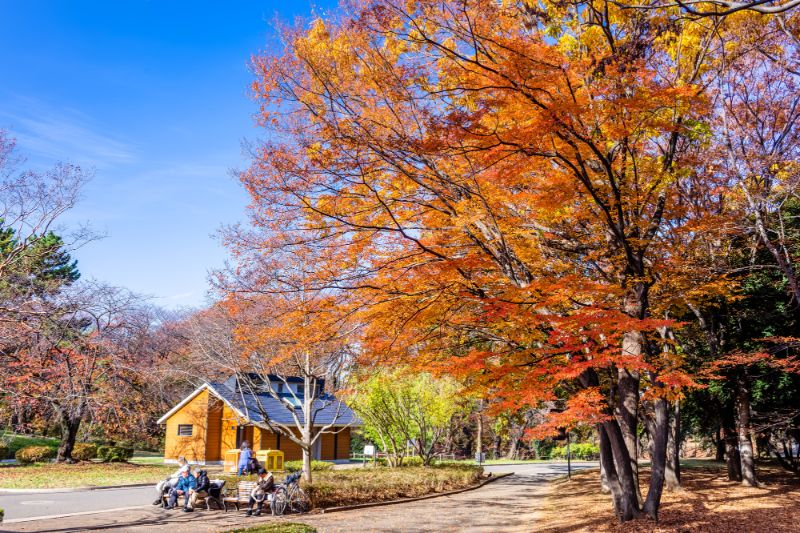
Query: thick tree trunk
[512, 447]
[673, 473]
[732, 461]
[627, 415]
[69, 433]
[746, 455]
[614, 455]
[605, 488]
[659, 430]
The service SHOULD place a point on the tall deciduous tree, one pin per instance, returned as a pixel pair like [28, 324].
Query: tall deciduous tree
[516, 193]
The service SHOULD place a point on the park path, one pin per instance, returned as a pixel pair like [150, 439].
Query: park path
[509, 505]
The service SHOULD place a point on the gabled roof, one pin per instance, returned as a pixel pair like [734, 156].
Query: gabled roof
[257, 408]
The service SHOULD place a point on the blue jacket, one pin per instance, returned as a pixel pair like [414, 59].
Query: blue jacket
[244, 457]
[186, 483]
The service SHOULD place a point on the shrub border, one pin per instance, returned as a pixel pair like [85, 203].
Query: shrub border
[492, 477]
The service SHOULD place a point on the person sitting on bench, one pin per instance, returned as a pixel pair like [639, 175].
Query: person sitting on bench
[186, 483]
[264, 486]
[164, 486]
[200, 491]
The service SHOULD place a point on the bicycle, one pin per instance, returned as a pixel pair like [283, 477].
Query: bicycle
[289, 494]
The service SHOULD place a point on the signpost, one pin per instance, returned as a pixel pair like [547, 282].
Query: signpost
[369, 450]
[480, 458]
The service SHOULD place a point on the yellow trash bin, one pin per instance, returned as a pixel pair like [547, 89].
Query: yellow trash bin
[232, 461]
[271, 459]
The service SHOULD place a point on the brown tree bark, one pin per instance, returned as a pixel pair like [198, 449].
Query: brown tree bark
[743, 430]
[69, 433]
[673, 472]
[659, 432]
[614, 455]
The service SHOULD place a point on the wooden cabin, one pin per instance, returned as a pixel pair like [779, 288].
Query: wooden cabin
[218, 417]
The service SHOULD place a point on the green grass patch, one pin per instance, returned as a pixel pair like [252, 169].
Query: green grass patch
[53, 475]
[291, 527]
[149, 460]
[12, 442]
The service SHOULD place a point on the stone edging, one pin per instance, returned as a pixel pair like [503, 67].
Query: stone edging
[490, 479]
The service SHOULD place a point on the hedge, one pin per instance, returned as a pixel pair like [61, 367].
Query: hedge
[114, 454]
[34, 454]
[84, 451]
[5, 451]
[316, 466]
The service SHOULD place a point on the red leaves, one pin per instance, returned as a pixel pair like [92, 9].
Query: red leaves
[584, 407]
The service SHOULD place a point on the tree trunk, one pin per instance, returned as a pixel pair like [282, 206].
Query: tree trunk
[719, 444]
[614, 455]
[69, 432]
[732, 460]
[627, 411]
[479, 437]
[605, 488]
[496, 447]
[659, 429]
[673, 473]
[746, 455]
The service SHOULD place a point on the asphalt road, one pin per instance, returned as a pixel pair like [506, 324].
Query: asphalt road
[33, 504]
[48, 504]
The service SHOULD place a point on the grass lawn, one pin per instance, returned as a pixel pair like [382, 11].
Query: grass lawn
[52, 475]
[289, 527]
[708, 502]
[333, 488]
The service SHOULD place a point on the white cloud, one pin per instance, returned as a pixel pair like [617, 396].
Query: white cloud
[62, 134]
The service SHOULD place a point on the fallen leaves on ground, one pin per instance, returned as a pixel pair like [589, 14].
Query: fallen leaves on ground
[707, 502]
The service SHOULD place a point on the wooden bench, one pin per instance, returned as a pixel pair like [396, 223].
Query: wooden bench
[214, 494]
[239, 495]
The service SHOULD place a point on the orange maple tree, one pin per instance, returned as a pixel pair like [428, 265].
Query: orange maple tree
[512, 192]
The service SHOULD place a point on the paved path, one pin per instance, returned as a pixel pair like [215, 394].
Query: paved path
[509, 504]
[26, 505]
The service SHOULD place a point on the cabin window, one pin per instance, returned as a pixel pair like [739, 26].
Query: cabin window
[185, 430]
[280, 388]
[301, 388]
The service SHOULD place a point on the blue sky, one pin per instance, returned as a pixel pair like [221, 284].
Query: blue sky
[153, 95]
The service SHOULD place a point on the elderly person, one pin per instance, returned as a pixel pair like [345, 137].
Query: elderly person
[184, 487]
[165, 485]
[265, 484]
[200, 491]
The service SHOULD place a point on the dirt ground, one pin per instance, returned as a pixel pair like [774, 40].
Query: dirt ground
[708, 502]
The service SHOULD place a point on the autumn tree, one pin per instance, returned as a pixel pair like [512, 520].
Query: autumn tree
[519, 194]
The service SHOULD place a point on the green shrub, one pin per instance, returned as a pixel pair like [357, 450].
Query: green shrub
[316, 466]
[84, 451]
[5, 451]
[581, 450]
[114, 454]
[34, 454]
[413, 460]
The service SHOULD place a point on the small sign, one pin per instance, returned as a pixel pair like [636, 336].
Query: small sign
[480, 457]
[369, 449]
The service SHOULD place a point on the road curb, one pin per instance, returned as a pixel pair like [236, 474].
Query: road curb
[490, 479]
[75, 489]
